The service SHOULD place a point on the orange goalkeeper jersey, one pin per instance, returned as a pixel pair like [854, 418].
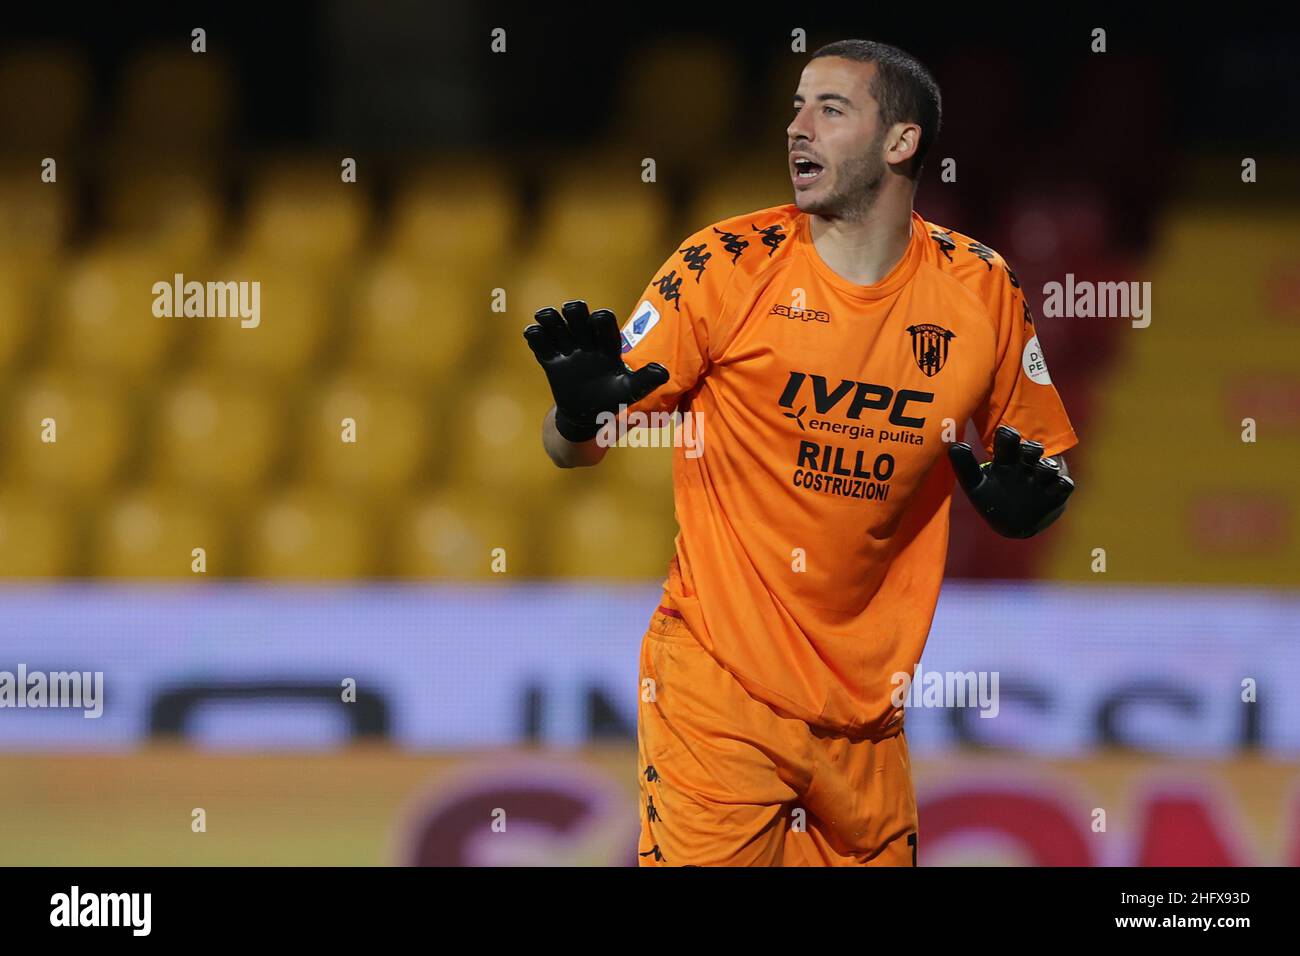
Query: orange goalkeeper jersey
[813, 527]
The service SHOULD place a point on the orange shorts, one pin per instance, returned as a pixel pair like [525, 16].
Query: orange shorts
[727, 781]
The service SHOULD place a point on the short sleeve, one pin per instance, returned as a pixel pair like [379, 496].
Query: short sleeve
[672, 320]
[1022, 394]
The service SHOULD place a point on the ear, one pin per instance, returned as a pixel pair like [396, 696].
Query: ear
[903, 140]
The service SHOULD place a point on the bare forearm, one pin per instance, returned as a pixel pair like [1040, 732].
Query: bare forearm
[567, 454]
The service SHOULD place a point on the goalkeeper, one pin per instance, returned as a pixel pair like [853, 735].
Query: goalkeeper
[833, 345]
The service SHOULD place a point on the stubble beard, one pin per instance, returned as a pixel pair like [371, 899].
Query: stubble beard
[858, 182]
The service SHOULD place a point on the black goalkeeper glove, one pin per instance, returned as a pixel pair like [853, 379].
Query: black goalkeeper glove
[1019, 493]
[583, 361]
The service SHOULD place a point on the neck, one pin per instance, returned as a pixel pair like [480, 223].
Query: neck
[865, 249]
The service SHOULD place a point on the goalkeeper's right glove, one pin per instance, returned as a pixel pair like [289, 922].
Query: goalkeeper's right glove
[583, 361]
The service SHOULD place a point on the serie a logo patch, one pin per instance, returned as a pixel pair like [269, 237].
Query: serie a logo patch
[643, 320]
[930, 347]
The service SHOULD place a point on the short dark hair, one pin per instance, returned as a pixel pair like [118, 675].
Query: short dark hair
[904, 88]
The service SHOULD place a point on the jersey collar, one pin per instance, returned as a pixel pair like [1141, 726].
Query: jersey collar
[887, 286]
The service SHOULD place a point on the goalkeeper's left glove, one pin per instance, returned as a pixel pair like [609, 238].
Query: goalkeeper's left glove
[1019, 492]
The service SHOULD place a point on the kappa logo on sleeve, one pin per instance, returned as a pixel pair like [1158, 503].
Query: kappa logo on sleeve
[643, 320]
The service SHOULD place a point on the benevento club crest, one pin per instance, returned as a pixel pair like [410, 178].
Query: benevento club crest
[930, 347]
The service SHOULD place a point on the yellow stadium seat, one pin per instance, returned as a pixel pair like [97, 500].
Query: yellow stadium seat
[18, 305]
[36, 217]
[676, 86]
[154, 532]
[89, 422]
[602, 218]
[594, 532]
[295, 316]
[736, 185]
[37, 534]
[454, 217]
[43, 98]
[175, 209]
[386, 431]
[1199, 504]
[456, 534]
[550, 279]
[1226, 515]
[104, 312]
[302, 214]
[496, 440]
[174, 101]
[218, 434]
[307, 533]
[415, 325]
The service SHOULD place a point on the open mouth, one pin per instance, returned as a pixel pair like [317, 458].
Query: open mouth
[805, 170]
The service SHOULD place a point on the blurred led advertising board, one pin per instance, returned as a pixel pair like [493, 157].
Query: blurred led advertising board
[1179, 671]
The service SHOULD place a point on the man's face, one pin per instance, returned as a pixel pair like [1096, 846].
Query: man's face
[834, 141]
